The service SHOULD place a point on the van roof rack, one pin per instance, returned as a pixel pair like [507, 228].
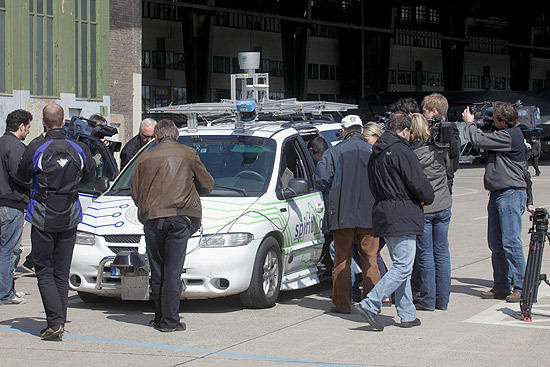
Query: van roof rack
[250, 86]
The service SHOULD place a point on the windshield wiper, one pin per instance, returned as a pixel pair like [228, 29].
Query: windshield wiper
[125, 190]
[238, 189]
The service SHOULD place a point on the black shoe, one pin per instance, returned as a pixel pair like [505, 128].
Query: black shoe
[409, 324]
[53, 333]
[492, 294]
[422, 308]
[371, 317]
[154, 323]
[179, 327]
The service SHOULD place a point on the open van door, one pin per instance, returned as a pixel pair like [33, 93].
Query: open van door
[106, 171]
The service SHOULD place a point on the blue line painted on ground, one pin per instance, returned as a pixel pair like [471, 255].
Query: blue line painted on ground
[186, 349]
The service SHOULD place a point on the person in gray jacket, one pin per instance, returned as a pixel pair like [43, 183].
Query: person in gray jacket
[509, 183]
[342, 172]
[432, 247]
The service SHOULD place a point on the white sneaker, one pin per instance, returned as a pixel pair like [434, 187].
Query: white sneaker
[14, 301]
[20, 294]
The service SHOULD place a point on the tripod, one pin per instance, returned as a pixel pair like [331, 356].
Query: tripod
[533, 277]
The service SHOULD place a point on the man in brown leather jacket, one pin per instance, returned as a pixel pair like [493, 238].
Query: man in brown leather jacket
[166, 186]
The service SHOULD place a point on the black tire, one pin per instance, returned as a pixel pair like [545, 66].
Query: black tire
[257, 296]
[92, 298]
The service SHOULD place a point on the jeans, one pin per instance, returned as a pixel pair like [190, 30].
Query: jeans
[504, 237]
[434, 262]
[396, 280]
[11, 229]
[52, 253]
[166, 240]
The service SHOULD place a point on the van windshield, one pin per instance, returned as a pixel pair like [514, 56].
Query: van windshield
[240, 165]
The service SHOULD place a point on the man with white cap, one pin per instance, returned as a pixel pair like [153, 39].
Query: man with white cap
[342, 176]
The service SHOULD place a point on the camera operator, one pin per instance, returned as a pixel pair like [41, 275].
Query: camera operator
[509, 183]
[433, 105]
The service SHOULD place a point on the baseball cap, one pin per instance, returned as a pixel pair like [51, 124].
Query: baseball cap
[351, 120]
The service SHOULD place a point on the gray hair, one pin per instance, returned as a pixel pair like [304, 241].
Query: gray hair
[147, 122]
[166, 130]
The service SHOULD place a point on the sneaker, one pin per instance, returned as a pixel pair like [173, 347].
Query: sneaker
[492, 294]
[179, 327]
[14, 301]
[409, 324]
[153, 323]
[387, 302]
[20, 294]
[53, 333]
[514, 297]
[28, 265]
[371, 317]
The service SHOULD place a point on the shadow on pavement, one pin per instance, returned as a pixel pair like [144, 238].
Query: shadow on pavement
[473, 287]
[29, 325]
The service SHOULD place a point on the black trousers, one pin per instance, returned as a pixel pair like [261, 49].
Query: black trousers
[52, 253]
[535, 162]
[166, 240]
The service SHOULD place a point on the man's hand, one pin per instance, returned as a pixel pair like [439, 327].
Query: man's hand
[531, 208]
[467, 115]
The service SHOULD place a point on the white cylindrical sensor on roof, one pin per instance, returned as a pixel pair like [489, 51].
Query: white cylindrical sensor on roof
[249, 61]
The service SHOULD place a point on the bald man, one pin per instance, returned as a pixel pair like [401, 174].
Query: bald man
[55, 165]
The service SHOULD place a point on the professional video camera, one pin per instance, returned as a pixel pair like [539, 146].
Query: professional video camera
[483, 115]
[441, 131]
[83, 126]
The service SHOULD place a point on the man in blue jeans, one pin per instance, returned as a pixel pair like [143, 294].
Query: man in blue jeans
[400, 189]
[13, 201]
[508, 180]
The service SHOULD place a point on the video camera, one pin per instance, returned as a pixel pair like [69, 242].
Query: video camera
[483, 114]
[83, 126]
[441, 131]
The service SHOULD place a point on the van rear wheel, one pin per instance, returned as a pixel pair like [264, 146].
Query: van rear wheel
[265, 284]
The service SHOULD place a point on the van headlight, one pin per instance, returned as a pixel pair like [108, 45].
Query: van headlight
[226, 240]
[85, 238]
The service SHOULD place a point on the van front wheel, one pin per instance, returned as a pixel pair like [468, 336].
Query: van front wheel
[265, 284]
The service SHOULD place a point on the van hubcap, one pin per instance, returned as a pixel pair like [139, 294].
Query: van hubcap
[271, 273]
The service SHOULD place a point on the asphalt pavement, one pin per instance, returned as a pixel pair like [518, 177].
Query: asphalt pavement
[299, 330]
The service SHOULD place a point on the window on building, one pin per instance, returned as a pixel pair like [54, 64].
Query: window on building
[276, 95]
[393, 77]
[432, 79]
[406, 12]
[3, 46]
[145, 97]
[221, 64]
[159, 59]
[276, 68]
[41, 47]
[403, 77]
[313, 71]
[420, 13]
[178, 61]
[498, 82]
[85, 48]
[160, 97]
[434, 16]
[145, 59]
[235, 68]
[327, 72]
[473, 81]
[179, 95]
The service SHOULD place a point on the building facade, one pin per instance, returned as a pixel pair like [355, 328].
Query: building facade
[54, 52]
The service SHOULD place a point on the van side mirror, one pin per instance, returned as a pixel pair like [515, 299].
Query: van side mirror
[101, 184]
[296, 187]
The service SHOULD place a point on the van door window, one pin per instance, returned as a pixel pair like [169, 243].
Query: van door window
[104, 161]
[293, 163]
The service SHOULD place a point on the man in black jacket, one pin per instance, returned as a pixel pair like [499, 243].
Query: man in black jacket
[342, 174]
[400, 189]
[146, 134]
[13, 200]
[55, 165]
